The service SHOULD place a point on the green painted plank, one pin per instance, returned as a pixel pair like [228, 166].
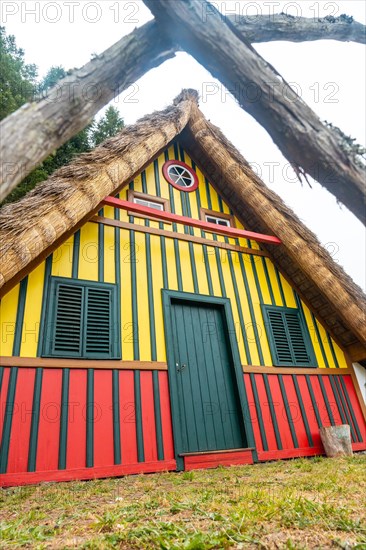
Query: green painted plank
[350, 408]
[313, 400]
[8, 418]
[138, 416]
[157, 411]
[101, 249]
[64, 419]
[116, 417]
[33, 439]
[326, 400]
[150, 292]
[90, 420]
[75, 255]
[135, 320]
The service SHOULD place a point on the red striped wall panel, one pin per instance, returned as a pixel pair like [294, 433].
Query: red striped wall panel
[287, 410]
[47, 436]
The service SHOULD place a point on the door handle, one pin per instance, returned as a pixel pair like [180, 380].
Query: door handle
[180, 368]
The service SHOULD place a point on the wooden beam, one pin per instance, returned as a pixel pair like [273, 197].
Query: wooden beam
[310, 146]
[356, 352]
[248, 369]
[80, 363]
[209, 227]
[175, 235]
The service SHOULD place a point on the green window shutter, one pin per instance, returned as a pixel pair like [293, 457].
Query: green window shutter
[98, 327]
[67, 338]
[81, 320]
[289, 342]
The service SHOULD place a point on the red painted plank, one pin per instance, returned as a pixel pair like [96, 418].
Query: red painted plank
[3, 396]
[212, 460]
[31, 478]
[356, 406]
[128, 418]
[253, 413]
[280, 411]
[295, 411]
[266, 413]
[22, 419]
[49, 420]
[103, 418]
[166, 419]
[76, 426]
[148, 416]
[310, 412]
[206, 226]
[320, 401]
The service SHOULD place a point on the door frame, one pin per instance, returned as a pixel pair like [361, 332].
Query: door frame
[225, 305]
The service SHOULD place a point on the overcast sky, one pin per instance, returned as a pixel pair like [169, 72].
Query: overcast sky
[329, 75]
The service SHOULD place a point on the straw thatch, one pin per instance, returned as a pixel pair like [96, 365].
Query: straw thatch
[32, 227]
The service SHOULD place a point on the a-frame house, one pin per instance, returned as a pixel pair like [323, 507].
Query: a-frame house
[163, 309]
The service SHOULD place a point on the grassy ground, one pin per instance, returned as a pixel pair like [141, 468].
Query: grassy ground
[303, 503]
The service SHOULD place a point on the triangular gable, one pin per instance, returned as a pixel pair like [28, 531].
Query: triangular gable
[74, 194]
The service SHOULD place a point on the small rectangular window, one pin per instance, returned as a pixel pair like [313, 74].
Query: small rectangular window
[288, 337]
[218, 221]
[150, 204]
[81, 320]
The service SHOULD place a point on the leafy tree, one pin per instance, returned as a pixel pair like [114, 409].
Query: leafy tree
[17, 79]
[107, 126]
[82, 142]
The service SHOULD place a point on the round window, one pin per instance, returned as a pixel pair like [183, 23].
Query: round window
[180, 175]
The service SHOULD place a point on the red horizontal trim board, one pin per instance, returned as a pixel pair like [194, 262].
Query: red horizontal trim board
[30, 478]
[212, 460]
[297, 453]
[206, 226]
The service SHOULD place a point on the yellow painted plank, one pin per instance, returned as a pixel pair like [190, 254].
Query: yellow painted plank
[230, 293]
[62, 259]
[274, 282]
[245, 308]
[288, 292]
[214, 271]
[142, 298]
[171, 265]
[126, 297]
[262, 280]
[313, 336]
[201, 269]
[109, 255]
[326, 346]
[157, 276]
[88, 257]
[8, 315]
[186, 269]
[258, 313]
[32, 312]
[342, 362]
[108, 212]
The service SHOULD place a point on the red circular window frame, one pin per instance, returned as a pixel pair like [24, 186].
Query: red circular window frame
[169, 163]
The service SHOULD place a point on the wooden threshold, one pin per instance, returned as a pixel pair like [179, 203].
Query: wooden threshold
[176, 235]
[221, 451]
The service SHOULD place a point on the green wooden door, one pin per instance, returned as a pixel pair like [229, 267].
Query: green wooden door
[208, 400]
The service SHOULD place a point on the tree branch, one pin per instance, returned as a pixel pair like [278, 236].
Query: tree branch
[269, 28]
[308, 145]
[30, 134]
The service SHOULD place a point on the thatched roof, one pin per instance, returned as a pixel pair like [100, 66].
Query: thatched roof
[32, 227]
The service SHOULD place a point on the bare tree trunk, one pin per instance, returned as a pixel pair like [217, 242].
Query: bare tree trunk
[269, 28]
[30, 134]
[310, 146]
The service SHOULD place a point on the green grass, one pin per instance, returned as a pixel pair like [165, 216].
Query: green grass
[296, 504]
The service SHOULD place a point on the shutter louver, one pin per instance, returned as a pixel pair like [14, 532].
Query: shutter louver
[301, 356]
[68, 325]
[280, 339]
[98, 322]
